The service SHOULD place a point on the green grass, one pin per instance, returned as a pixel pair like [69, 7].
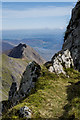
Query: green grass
[11, 67]
[53, 97]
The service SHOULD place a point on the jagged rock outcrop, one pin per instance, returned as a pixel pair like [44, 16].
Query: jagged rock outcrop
[60, 61]
[24, 51]
[72, 36]
[28, 81]
[69, 56]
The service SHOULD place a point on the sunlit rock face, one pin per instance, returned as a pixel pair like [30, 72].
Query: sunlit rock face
[62, 60]
[72, 36]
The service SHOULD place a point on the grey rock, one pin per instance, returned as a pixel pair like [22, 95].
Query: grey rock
[29, 77]
[60, 61]
[25, 112]
[69, 56]
[28, 81]
[51, 69]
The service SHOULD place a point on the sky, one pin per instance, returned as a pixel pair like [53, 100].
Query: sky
[39, 0]
[36, 15]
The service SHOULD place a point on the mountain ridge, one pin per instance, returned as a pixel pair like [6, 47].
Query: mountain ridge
[24, 51]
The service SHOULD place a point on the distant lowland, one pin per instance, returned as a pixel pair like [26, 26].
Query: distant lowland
[46, 42]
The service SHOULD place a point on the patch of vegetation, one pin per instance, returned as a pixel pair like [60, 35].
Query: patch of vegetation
[12, 69]
[54, 96]
[6, 82]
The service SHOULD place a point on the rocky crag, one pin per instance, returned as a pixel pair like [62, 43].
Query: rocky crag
[28, 81]
[24, 51]
[69, 56]
[72, 36]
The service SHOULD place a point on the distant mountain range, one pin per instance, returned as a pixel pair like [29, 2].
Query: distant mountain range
[45, 42]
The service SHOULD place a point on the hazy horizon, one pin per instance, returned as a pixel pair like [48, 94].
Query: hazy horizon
[45, 42]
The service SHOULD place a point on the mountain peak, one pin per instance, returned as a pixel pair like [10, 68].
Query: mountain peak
[22, 45]
[24, 51]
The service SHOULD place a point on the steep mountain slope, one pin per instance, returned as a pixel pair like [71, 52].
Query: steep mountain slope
[72, 36]
[12, 70]
[26, 52]
[69, 56]
[54, 97]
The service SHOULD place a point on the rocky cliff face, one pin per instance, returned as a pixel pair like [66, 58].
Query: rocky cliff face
[26, 52]
[72, 36]
[69, 56]
[28, 81]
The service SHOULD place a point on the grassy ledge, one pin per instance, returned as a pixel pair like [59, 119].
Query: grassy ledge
[53, 97]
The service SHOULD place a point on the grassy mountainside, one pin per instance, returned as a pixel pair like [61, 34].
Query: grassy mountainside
[53, 97]
[12, 70]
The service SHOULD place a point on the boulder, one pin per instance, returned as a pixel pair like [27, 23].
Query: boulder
[25, 112]
[51, 69]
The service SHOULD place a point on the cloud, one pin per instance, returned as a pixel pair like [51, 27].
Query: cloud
[39, 1]
[38, 12]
